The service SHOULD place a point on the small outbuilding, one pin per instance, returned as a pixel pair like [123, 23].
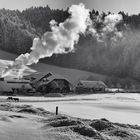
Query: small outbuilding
[85, 86]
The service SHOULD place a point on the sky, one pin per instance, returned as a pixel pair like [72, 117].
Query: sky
[129, 6]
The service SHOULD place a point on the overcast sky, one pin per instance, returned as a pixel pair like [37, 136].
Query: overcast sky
[130, 6]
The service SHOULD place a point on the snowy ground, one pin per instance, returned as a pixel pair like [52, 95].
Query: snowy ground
[121, 107]
[25, 122]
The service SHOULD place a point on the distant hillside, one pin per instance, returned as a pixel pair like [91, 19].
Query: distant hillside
[75, 75]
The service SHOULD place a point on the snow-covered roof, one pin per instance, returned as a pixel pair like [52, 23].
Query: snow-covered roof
[48, 76]
[91, 84]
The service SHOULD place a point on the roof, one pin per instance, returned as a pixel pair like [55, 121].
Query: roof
[56, 76]
[4, 87]
[37, 76]
[48, 76]
[92, 84]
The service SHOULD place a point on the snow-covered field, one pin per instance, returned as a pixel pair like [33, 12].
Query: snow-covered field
[121, 107]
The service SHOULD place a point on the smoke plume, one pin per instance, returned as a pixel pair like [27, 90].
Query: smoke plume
[64, 36]
[108, 30]
[110, 27]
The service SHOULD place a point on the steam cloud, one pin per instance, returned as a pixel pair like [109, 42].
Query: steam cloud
[108, 30]
[64, 36]
[110, 27]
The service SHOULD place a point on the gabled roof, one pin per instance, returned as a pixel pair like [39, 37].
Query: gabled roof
[92, 84]
[49, 77]
[56, 76]
[37, 76]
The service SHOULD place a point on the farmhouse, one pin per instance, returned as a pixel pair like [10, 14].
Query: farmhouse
[84, 86]
[50, 83]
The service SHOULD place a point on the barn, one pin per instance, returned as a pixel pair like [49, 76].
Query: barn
[85, 86]
[50, 83]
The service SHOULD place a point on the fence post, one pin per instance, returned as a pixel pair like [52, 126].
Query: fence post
[56, 110]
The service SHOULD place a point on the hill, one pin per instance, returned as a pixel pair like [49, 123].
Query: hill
[75, 75]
